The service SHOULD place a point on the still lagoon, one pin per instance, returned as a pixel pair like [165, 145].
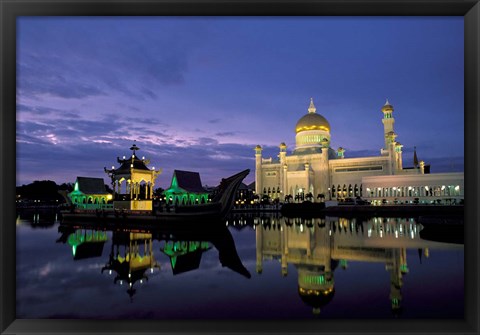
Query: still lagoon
[260, 267]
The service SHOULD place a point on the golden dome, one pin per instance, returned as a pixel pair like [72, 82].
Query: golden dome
[387, 107]
[312, 121]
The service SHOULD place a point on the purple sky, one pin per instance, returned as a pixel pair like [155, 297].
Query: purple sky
[199, 93]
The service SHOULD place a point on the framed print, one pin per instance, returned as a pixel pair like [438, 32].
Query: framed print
[248, 167]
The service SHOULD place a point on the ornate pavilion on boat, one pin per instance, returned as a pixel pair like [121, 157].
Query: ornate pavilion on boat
[133, 182]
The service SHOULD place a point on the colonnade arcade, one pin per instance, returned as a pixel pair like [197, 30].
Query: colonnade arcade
[90, 199]
[414, 191]
[132, 189]
[345, 191]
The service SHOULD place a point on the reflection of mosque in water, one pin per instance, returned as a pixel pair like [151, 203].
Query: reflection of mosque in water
[316, 247]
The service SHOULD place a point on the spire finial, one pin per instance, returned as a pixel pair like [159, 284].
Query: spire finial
[311, 108]
[387, 103]
[134, 147]
[415, 158]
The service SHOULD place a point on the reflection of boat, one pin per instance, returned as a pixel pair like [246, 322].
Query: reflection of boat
[217, 209]
[447, 229]
[132, 254]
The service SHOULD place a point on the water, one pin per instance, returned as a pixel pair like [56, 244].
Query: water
[255, 268]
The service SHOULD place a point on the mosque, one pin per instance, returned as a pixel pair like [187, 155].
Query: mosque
[315, 170]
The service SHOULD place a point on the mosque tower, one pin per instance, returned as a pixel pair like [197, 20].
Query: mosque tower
[388, 122]
[258, 170]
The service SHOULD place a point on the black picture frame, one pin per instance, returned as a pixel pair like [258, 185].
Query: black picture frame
[10, 10]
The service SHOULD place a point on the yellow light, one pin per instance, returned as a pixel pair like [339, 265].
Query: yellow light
[312, 128]
[109, 197]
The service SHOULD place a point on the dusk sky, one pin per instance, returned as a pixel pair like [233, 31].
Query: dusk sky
[199, 93]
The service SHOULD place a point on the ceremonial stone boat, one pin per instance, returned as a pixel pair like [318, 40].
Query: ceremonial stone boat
[216, 210]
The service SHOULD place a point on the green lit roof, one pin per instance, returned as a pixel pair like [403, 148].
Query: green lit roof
[187, 181]
[87, 185]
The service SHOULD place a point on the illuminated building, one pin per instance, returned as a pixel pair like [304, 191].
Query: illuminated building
[317, 171]
[133, 182]
[186, 189]
[89, 193]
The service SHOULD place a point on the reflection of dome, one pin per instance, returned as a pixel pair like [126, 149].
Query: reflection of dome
[312, 121]
[316, 298]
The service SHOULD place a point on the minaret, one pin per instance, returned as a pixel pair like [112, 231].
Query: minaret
[390, 141]
[258, 171]
[388, 122]
[398, 150]
[283, 169]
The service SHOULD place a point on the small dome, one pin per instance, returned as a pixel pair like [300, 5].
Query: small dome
[283, 145]
[258, 147]
[387, 107]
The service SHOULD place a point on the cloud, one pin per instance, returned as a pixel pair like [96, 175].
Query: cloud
[226, 133]
[51, 76]
[214, 121]
[121, 57]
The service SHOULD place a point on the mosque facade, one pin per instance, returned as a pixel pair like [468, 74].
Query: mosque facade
[317, 171]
